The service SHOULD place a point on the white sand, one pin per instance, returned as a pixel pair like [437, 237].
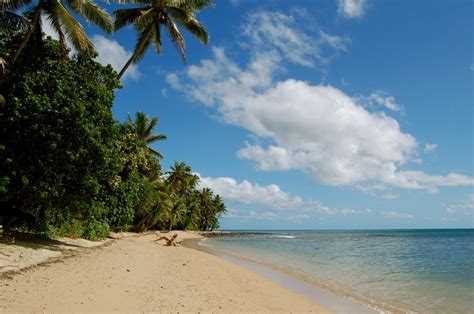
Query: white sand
[136, 274]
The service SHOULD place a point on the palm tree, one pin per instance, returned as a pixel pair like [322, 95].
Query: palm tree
[173, 212]
[149, 17]
[143, 127]
[63, 22]
[10, 18]
[180, 178]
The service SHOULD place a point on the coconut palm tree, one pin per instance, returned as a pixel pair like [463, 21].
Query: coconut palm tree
[143, 127]
[172, 212]
[180, 178]
[10, 18]
[64, 23]
[152, 14]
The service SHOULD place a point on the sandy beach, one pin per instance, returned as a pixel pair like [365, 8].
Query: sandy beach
[135, 274]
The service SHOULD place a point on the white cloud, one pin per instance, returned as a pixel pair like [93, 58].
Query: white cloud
[306, 46]
[269, 197]
[351, 8]
[395, 214]
[387, 101]
[430, 147]
[111, 52]
[391, 196]
[472, 67]
[465, 207]
[316, 129]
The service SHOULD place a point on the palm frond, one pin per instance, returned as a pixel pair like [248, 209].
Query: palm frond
[176, 38]
[135, 1]
[73, 29]
[126, 17]
[146, 18]
[13, 4]
[150, 124]
[189, 21]
[93, 14]
[16, 21]
[190, 5]
[155, 153]
[156, 138]
[156, 37]
[53, 19]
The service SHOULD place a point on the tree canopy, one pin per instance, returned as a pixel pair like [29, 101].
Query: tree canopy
[67, 167]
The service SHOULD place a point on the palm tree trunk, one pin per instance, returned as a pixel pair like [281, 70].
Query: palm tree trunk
[140, 46]
[34, 22]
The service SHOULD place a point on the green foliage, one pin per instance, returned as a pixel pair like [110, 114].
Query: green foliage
[67, 168]
[58, 140]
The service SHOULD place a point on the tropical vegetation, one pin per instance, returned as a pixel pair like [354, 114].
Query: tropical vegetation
[151, 15]
[67, 167]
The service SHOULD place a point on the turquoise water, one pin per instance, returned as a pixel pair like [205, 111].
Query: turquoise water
[395, 270]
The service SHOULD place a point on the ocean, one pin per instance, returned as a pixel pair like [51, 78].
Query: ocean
[390, 270]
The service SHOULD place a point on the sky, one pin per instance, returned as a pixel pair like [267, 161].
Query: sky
[330, 114]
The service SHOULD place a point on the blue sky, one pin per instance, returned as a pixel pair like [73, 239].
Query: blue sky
[318, 114]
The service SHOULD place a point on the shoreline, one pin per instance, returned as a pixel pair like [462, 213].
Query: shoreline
[325, 297]
[135, 274]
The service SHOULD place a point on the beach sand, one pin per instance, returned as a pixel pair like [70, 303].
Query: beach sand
[135, 274]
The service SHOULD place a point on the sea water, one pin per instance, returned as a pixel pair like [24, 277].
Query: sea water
[392, 270]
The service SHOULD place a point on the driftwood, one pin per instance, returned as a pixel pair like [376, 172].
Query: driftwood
[170, 241]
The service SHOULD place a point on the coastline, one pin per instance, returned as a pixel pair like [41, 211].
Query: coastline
[288, 280]
[136, 274]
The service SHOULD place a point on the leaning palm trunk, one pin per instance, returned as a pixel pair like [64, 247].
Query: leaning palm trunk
[34, 24]
[141, 45]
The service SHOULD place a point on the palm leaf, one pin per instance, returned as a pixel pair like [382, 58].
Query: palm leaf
[13, 4]
[176, 38]
[189, 21]
[155, 138]
[135, 1]
[155, 152]
[146, 18]
[150, 125]
[93, 14]
[156, 37]
[190, 5]
[73, 29]
[52, 17]
[126, 17]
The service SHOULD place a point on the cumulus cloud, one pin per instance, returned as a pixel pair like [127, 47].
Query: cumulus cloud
[395, 214]
[430, 147]
[351, 8]
[381, 98]
[111, 52]
[317, 129]
[270, 197]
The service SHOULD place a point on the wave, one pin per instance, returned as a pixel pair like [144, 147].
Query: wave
[283, 236]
